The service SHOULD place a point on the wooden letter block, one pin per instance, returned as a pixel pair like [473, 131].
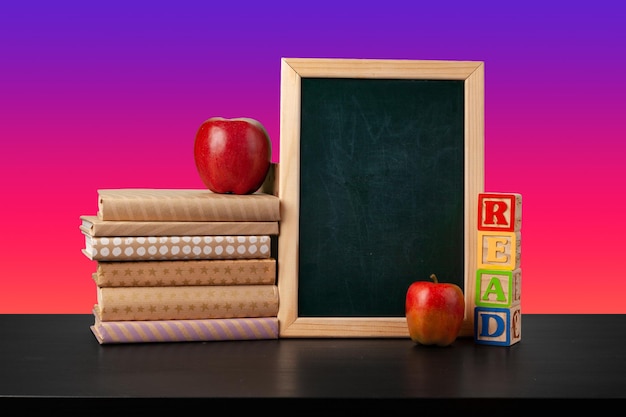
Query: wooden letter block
[499, 250]
[500, 212]
[497, 326]
[495, 288]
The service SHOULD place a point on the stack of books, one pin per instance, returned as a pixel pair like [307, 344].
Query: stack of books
[178, 265]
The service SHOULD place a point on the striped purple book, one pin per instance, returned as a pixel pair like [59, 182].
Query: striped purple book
[202, 330]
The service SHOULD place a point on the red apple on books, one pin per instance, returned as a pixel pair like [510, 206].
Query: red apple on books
[233, 156]
[434, 312]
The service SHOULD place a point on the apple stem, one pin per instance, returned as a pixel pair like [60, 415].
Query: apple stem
[434, 278]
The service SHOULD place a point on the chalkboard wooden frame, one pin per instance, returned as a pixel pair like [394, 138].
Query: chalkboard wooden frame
[293, 70]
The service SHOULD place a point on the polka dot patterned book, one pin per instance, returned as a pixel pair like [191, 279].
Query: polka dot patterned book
[155, 248]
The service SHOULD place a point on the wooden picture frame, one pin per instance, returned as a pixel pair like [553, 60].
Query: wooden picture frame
[293, 71]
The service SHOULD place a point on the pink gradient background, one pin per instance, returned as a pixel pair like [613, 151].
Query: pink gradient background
[110, 96]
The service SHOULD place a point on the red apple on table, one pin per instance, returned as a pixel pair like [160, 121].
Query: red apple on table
[434, 312]
[233, 156]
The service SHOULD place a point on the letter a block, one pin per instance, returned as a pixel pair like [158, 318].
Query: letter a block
[497, 326]
[499, 212]
[496, 288]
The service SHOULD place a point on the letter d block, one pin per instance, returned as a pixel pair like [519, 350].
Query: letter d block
[497, 326]
[498, 288]
[499, 212]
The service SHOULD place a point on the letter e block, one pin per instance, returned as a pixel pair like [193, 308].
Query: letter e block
[499, 250]
[498, 288]
[500, 212]
[497, 326]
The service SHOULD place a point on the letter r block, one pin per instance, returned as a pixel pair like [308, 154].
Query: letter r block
[499, 250]
[497, 326]
[500, 212]
[498, 288]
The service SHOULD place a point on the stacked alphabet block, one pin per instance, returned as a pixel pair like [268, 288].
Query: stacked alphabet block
[497, 312]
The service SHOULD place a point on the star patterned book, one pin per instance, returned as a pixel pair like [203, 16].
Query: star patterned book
[193, 272]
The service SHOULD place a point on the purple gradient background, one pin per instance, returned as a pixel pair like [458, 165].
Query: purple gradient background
[109, 95]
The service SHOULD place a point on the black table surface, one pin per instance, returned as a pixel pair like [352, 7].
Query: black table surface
[559, 357]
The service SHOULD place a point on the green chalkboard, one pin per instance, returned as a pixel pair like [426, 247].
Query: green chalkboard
[381, 164]
[381, 192]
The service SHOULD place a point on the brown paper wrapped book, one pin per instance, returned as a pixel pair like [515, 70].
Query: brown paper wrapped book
[186, 302]
[195, 272]
[198, 330]
[155, 248]
[145, 204]
[94, 226]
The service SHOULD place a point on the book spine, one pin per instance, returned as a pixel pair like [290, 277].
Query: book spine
[175, 273]
[132, 248]
[113, 228]
[254, 328]
[187, 303]
[185, 205]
